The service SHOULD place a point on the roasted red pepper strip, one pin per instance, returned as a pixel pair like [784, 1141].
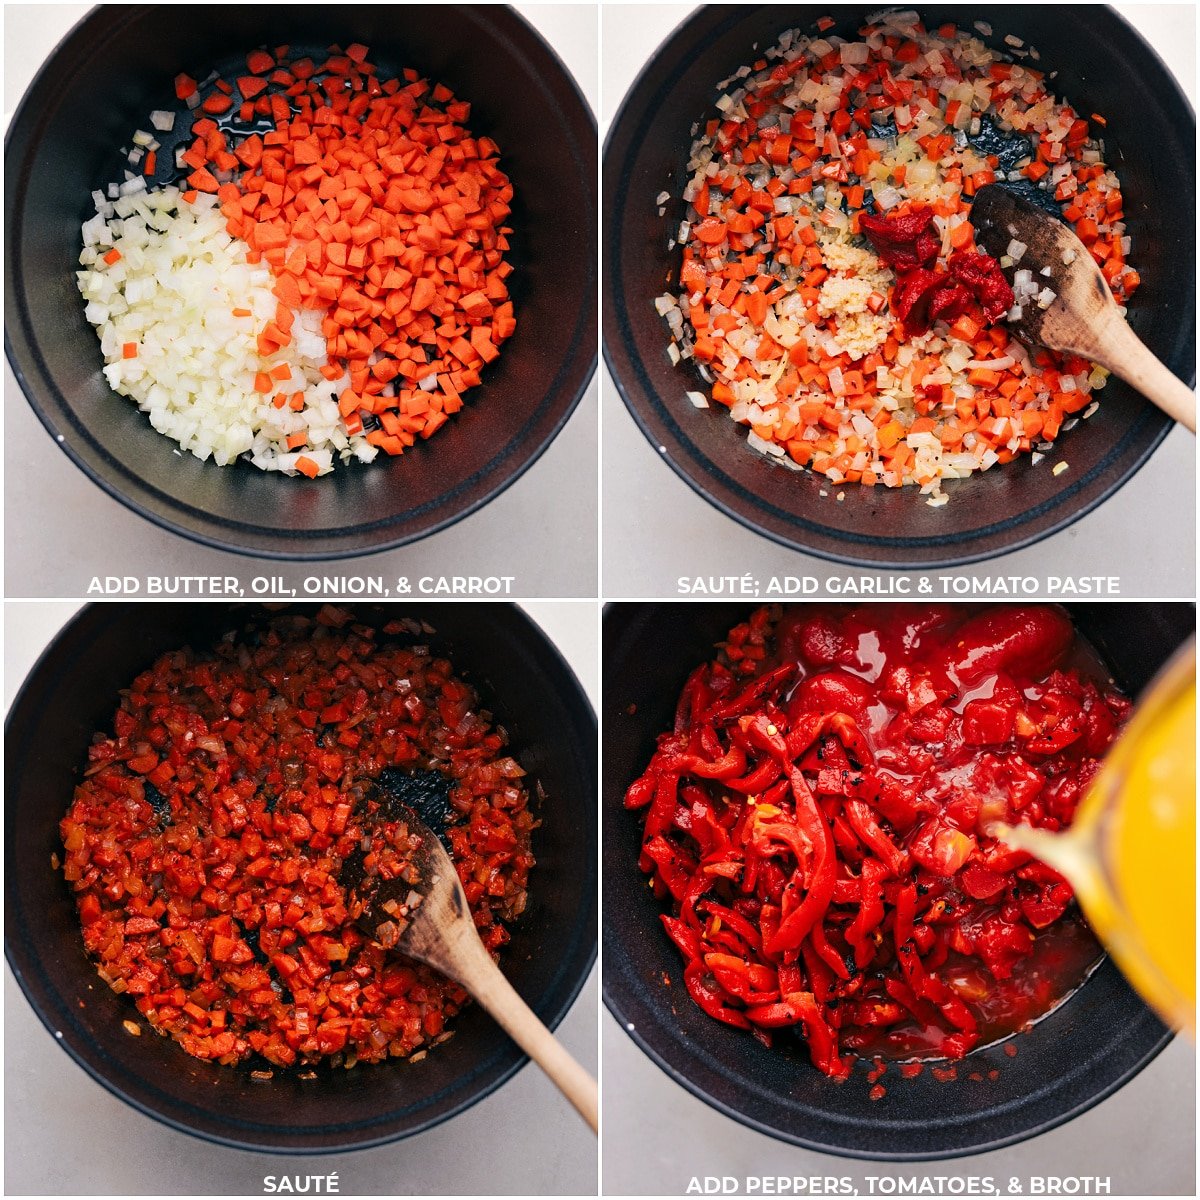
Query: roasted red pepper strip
[749, 697]
[822, 874]
[826, 953]
[862, 821]
[822, 1044]
[684, 936]
[906, 912]
[709, 997]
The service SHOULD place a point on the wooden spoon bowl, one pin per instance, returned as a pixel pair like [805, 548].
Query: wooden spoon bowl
[1083, 317]
[403, 892]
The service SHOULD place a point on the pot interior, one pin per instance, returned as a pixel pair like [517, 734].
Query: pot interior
[1103, 67]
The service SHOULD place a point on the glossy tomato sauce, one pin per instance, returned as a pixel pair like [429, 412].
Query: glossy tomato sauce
[205, 843]
[819, 815]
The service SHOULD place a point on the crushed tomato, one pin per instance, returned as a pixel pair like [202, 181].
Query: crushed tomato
[205, 842]
[817, 820]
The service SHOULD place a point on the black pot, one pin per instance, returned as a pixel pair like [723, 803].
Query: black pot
[73, 691]
[1103, 66]
[1102, 1036]
[102, 83]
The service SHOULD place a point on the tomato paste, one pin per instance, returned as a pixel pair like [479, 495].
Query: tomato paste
[922, 295]
[818, 820]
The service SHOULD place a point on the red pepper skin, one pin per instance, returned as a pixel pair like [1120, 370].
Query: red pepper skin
[675, 868]
[640, 792]
[709, 997]
[819, 884]
[758, 780]
[684, 936]
[662, 807]
[826, 953]
[695, 697]
[906, 912]
[821, 1042]
[735, 921]
[870, 913]
[749, 697]
[862, 821]
[728, 766]
[820, 976]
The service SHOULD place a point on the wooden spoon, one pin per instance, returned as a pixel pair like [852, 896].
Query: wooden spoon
[423, 913]
[1083, 317]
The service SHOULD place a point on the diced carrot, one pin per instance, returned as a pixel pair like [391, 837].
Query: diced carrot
[259, 62]
[757, 307]
[216, 103]
[392, 219]
[251, 86]
[203, 180]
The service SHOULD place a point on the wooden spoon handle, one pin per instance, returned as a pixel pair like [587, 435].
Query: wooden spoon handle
[484, 980]
[1126, 355]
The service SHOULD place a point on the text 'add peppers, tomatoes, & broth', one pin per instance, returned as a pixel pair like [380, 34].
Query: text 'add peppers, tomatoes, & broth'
[205, 844]
[817, 821]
